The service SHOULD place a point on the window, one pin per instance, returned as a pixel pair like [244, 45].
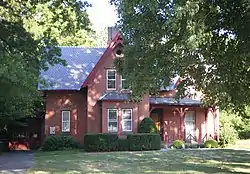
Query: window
[126, 120]
[65, 121]
[123, 83]
[111, 79]
[112, 120]
[190, 124]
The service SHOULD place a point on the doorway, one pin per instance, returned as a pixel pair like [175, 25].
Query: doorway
[157, 116]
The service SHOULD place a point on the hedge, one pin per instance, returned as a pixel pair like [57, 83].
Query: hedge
[139, 142]
[123, 144]
[59, 142]
[101, 142]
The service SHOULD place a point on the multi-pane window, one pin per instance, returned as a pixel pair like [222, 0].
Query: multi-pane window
[111, 79]
[190, 124]
[126, 120]
[112, 120]
[123, 83]
[65, 121]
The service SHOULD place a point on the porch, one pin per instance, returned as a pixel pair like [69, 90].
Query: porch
[186, 120]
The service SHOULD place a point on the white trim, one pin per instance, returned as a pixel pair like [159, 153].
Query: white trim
[193, 121]
[65, 121]
[107, 71]
[131, 120]
[116, 110]
[122, 84]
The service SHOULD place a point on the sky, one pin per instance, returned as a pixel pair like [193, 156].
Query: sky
[101, 14]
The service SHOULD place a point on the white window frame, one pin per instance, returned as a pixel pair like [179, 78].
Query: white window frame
[107, 72]
[65, 121]
[194, 123]
[131, 120]
[122, 82]
[116, 110]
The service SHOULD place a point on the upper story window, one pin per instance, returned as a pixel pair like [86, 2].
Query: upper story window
[65, 121]
[123, 83]
[111, 79]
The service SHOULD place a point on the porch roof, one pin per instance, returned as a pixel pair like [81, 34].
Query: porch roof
[172, 101]
[114, 96]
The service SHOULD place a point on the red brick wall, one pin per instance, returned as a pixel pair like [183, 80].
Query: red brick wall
[96, 86]
[75, 102]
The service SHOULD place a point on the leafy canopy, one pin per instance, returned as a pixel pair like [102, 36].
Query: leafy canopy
[29, 35]
[205, 42]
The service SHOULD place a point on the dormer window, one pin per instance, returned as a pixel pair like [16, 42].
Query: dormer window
[111, 79]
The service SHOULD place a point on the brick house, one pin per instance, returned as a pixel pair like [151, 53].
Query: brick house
[88, 96]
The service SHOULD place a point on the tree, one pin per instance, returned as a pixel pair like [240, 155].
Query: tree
[67, 22]
[205, 42]
[24, 53]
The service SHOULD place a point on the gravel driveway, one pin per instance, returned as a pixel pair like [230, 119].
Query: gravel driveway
[16, 162]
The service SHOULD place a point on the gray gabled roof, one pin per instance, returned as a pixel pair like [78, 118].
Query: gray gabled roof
[80, 62]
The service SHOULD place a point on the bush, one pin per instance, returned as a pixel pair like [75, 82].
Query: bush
[228, 132]
[144, 141]
[100, 142]
[60, 142]
[178, 144]
[211, 144]
[122, 144]
[147, 125]
[244, 135]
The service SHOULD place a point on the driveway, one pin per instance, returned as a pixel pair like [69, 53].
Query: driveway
[16, 162]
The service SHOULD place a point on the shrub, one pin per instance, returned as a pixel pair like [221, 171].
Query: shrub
[211, 144]
[228, 132]
[244, 135]
[147, 125]
[122, 144]
[144, 141]
[100, 142]
[178, 144]
[60, 142]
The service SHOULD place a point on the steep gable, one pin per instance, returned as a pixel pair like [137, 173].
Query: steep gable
[80, 62]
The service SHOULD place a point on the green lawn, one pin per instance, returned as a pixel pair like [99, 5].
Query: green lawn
[241, 144]
[172, 161]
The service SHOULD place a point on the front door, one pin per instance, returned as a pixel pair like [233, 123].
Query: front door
[156, 115]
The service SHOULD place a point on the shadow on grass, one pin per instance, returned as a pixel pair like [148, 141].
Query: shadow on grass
[172, 161]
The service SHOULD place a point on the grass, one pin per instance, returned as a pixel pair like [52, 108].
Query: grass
[241, 144]
[172, 161]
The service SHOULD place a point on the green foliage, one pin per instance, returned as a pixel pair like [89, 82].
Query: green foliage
[100, 142]
[29, 35]
[60, 142]
[122, 144]
[211, 144]
[147, 125]
[228, 124]
[204, 42]
[144, 141]
[178, 144]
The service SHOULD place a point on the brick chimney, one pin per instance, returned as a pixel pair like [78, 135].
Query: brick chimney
[112, 31]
